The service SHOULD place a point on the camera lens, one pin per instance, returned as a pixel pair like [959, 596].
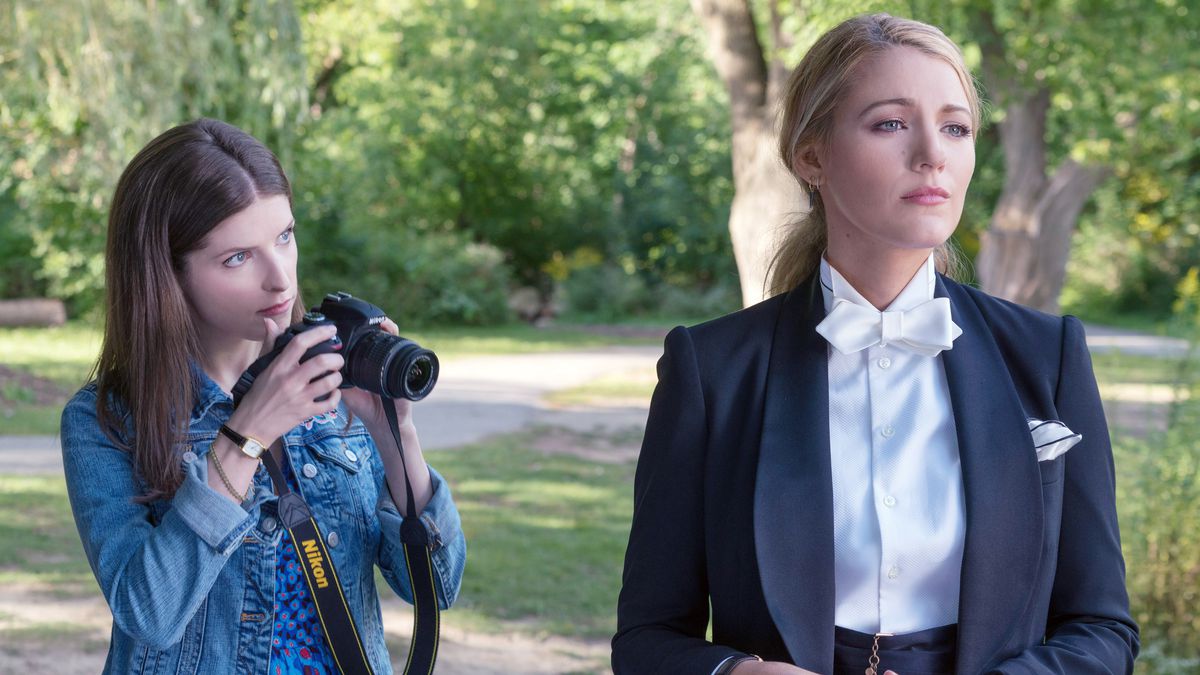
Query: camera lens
[391, 366]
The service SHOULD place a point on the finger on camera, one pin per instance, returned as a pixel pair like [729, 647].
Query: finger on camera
[321, 364]
[324, 381]
[327, 404]
[306, 340]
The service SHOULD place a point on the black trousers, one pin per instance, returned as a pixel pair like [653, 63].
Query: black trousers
[926, 652]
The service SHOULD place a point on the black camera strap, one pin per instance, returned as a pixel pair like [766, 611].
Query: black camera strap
[418, 559]
[320, 576]
[341, 634]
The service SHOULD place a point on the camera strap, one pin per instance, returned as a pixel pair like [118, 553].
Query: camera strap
[418, 559]
[341, 634]
[320, 576]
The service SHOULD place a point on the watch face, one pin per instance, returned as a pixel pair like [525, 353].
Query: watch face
[253, 448]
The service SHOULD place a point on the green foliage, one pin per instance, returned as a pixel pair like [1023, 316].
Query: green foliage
[476, 140]
[1158, 491]
[539, 128]
[432, 278]
[86, 83]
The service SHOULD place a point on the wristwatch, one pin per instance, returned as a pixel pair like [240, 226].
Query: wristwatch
[252, 447]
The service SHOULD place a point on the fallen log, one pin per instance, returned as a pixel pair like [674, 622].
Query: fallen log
[32, 312]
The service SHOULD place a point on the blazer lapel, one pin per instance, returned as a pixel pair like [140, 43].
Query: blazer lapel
[793, 492]
[1001, 483]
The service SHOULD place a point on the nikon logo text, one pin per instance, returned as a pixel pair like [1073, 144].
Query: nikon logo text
[315, 561]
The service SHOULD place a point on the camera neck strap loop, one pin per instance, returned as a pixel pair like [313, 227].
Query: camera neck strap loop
[418, 560]
[341, 633]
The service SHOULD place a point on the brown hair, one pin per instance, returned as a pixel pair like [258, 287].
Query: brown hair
[816, 88]
[172, 194]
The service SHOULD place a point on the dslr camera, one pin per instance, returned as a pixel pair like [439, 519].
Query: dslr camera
[381, 363]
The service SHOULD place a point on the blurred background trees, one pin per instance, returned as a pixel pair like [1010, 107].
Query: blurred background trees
[446, 153]
[450, 155]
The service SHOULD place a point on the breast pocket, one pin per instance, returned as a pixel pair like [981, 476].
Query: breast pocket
[338, 472]
[1052, 470]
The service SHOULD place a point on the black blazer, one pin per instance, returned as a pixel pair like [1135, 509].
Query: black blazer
[733, 500]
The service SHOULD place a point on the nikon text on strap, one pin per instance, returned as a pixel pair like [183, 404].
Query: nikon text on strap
[341, 633]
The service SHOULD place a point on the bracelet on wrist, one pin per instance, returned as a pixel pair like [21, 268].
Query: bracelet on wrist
[733, 662]
[225, 478]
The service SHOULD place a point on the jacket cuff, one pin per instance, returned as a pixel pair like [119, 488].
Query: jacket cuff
[443, 528]
[217, 521]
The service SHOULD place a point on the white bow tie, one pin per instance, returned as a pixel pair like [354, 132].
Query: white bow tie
[925, 329]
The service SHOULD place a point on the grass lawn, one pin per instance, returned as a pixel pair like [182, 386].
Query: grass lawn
[41, 368]
[546, 537]
[39, 547]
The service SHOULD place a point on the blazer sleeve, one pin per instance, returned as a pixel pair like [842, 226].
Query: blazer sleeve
[662, 612]
[1089, 628]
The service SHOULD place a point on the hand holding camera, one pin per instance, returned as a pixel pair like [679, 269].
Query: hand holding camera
[365, 350]
[292, 388]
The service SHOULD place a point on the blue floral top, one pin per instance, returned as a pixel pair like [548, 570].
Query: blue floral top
[298, 641]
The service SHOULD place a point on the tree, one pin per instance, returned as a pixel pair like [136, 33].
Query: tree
[1070, 113]
[1059, 97]
[83, 85]
[764, 191]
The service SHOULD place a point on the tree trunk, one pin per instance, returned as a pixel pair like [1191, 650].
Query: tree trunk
[1023, 255]
[765, 194]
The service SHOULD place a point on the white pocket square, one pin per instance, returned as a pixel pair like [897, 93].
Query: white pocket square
[1051, 438]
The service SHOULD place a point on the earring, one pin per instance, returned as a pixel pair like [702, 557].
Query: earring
[812, 195]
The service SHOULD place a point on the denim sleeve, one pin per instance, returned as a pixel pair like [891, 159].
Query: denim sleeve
[444, 528]
[154, 576]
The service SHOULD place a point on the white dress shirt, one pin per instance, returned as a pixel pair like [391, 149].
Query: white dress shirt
[898, 513]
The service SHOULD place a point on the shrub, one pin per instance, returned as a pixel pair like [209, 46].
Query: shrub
[425, 279]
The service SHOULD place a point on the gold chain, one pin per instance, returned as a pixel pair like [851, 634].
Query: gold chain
[873, 661]
[225, 479]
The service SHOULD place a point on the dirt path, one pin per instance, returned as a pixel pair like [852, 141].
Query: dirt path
[69, 636]
[47, 632]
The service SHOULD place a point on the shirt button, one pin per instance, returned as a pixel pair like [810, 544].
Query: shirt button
[893, 572]
[885, 363]
[351, 456]
[333, 539]
[889, 501]
[888, 431]
[309, 471]
[269, 524]
[189, 456]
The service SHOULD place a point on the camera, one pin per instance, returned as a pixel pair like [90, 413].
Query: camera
[381, 363]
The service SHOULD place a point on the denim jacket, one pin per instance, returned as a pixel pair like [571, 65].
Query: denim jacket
[191, 580]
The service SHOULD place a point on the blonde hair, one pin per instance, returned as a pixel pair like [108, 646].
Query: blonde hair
[815, 89]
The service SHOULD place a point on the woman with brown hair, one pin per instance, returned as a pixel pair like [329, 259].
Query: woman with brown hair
[878, 469]
[179, 523]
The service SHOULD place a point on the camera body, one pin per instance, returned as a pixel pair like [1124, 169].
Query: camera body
[385, 364]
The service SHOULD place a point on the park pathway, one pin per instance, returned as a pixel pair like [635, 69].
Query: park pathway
[475, 398]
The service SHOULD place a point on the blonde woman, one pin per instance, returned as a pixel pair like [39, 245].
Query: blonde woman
[878, 469]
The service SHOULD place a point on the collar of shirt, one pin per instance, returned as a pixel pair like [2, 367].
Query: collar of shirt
[918, 290]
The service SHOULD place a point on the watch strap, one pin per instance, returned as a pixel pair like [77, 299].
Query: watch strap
[241, 441]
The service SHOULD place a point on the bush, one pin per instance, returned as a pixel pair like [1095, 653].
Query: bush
[606, 292]
[430, 279]
[1158, 497]
[1158, 491]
